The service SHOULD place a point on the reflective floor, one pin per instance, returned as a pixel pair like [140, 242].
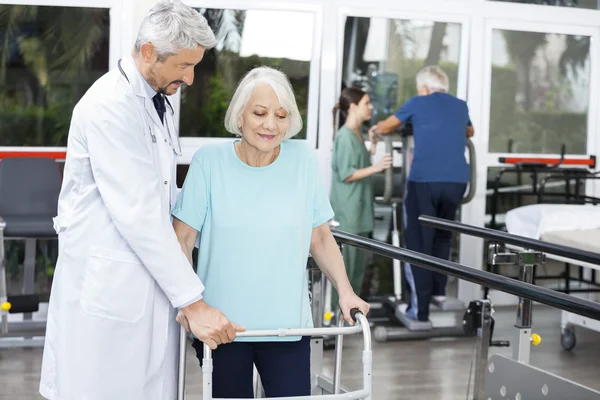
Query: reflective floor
[426, 369]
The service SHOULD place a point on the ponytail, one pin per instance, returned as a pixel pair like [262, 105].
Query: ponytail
[350, 95]
[335, 114]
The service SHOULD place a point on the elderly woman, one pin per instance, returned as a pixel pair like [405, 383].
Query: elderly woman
[259, 206]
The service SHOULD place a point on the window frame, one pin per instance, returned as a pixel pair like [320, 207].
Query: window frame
[491, 159]
[117, 43]
[190, 145]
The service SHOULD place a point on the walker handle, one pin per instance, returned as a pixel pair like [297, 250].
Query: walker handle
[353, 313]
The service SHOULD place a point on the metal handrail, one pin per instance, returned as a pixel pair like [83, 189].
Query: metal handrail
[493, 281]
[504, 237]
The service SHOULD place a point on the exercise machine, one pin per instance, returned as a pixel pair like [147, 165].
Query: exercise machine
[382, 87]
[29, 188]
[446, 318]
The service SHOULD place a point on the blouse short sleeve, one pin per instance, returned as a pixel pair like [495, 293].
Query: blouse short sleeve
[192, 202]
[322, 211]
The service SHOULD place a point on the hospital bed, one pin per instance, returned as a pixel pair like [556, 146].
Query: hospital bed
[571, 225]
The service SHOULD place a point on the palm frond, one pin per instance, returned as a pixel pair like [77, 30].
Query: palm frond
[79, 36]
[11, 18]
[575, 55]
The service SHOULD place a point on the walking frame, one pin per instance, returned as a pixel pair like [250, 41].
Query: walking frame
[320, 384]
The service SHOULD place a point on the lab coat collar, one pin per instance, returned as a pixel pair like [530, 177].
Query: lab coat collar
[138, 83]
[141, 87]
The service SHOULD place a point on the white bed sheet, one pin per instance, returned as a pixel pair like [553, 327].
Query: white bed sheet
[586, 239]
[535, 220]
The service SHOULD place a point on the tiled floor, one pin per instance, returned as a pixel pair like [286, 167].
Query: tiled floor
[427, 369]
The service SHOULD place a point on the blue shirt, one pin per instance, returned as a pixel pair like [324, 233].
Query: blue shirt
[439, 123]
[255, 226]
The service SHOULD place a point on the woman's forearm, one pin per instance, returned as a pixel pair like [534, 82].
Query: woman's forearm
[361, 174]
[327, 255]
[186, 250]
[186, 235]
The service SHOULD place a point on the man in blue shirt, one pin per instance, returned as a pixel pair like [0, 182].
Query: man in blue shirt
[438, 177]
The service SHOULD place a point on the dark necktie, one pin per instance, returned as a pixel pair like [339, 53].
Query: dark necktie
[159, 104]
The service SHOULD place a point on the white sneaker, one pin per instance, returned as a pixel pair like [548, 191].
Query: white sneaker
[439, 299]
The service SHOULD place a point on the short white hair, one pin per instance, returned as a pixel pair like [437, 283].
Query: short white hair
[283, 90]
[434, 78]
[172, 26]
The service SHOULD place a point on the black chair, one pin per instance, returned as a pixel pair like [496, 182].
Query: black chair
[29, 189]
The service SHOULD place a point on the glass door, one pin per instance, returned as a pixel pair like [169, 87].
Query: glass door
[538, 101]
[381, 50]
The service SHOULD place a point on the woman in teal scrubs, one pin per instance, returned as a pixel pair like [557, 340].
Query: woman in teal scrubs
[351, 188]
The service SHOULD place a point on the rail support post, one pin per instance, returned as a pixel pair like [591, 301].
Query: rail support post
[483, 308]
[4, 304]
[526, 261]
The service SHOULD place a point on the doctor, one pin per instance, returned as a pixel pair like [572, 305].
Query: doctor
[121, 273]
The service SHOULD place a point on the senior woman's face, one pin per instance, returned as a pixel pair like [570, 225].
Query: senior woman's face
[264, 121]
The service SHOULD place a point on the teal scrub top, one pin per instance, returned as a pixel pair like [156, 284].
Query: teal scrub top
[255, 225]
[352, 202]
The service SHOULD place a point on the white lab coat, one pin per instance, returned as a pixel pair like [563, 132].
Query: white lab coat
[111, 331]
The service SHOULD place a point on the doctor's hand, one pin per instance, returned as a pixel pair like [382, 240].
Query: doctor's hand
[348, 301]
[208, 324]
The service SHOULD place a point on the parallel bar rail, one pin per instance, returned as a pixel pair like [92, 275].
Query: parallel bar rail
[521, 289]
[521, 241]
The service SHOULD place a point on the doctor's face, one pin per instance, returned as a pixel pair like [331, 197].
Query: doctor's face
[167, 76]
[264, 121]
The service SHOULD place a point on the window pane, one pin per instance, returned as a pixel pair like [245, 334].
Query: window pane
[589, 4]
[51, 57]
[245, 41]
[540, 92]
[382, 56]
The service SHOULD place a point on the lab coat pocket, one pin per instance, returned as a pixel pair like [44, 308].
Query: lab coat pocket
[115, 285]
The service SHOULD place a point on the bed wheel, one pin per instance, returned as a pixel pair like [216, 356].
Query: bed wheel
[567, 338]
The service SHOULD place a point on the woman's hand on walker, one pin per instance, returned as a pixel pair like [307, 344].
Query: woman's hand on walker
[350, 300]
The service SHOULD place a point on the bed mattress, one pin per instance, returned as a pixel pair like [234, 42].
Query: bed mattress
[535, 221]
[584, 239]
